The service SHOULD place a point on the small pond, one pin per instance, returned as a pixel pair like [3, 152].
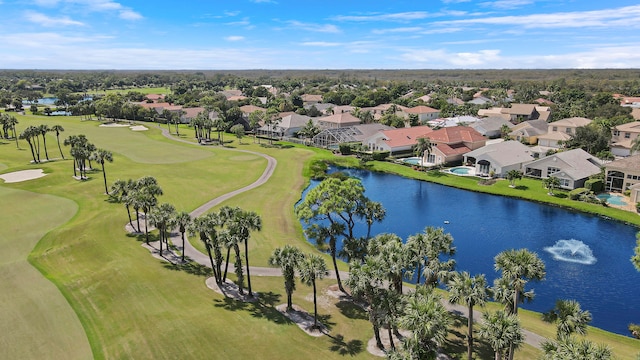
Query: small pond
[586, 257]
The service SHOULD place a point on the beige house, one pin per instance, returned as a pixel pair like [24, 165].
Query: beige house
[561, 131]
[529, 131]
[425, 113]
[572, 168]
[338, 120]
[622, 137]
[623, 174]
[450, 144]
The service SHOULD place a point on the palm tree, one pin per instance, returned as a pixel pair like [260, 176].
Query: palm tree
[183, 221]
[635, 145]
[161, 217]
[469, 291]
[512, 176]
[120, 191]
[243, 222]
[391, 256]
[27, 134]
[423, 145]
[288, 259]
[501, 331]
[44, 129]
[428, 320]
[571, 348]
[569, 318]
[200, 226]
[437, 244]
[366, 282]
[100, 156]
[551, 183]
[518, 267]
[10, 122]
[313, 268]
[58, 129]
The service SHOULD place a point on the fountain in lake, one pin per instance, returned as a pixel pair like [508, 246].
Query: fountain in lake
[572, 251]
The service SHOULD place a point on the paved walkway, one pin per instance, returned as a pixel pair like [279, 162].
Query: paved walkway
[195, 255]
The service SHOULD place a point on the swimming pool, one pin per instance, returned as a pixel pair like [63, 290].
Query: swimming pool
[613, 199]
[462, 171]
[413, 160]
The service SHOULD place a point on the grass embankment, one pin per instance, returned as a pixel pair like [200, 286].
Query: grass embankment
[132, 305]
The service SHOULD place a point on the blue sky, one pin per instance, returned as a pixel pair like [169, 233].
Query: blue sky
[347, 34]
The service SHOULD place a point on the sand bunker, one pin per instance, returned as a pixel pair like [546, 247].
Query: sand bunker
[138, 128]
[24, 175]
[114, 125]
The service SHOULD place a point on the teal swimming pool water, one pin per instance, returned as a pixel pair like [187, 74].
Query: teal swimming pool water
[460, 170]
[613, 199]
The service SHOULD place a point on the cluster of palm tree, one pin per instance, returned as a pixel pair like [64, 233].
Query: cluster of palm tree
[377, 281]
[311, 267]
[203, 125]
[32, 135]
[570, 319]
[9, 123]
[230, 228]
[81, 150]
[141, 195]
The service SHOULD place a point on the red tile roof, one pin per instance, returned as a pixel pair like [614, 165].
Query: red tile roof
[340, 118]
[147, 105]
[405, 136]
[154, 97]
[455, 134]
[190, 113]
[421, 109]
[455, 149]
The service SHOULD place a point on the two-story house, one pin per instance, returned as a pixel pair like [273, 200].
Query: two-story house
[561, 131]
[622, 138]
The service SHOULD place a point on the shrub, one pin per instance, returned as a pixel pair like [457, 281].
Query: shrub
[595, 185]
[635, 330]
[577, 193]
[380, 155]
[345, 149]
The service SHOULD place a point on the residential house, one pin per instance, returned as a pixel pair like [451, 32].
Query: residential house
[572, 168]
[622, 138]
[396, 141]
[308, 99]
[190, 113]
[382, 109]
[342, 109]
[154, 97]
[248, 109]
[338, 120]
[561, 131]
[499, 158]
[491, 127]
[452, 121]
[322, 107]
[425, 113]
[623, 174]
[451, 143]
[522, 112]
[352, 134]
[528, 131]
[480, 100]
[287, 126]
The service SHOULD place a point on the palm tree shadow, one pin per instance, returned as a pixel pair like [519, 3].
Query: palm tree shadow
[190, 267]
[264, 308]
[351, 348]
[351, 310]
[522, 187]
[325, 320]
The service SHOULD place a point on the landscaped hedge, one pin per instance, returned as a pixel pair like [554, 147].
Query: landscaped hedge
[345, 149]
[576, 193]
[380, 155]
[595, 185]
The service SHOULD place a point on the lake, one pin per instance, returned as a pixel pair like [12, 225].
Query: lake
[483, 225]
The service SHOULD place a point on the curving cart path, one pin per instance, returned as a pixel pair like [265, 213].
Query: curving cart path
[194, 254]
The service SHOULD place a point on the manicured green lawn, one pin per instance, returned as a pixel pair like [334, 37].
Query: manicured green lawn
[134, 306]
[37, 321]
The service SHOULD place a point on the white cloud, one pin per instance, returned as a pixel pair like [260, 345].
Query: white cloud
[44, 20]
[326, 28]
[619, 17]
[397, 30]
[129, 15]
[399, 17]
[234, 38]
[321, 43]
[506, 4]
